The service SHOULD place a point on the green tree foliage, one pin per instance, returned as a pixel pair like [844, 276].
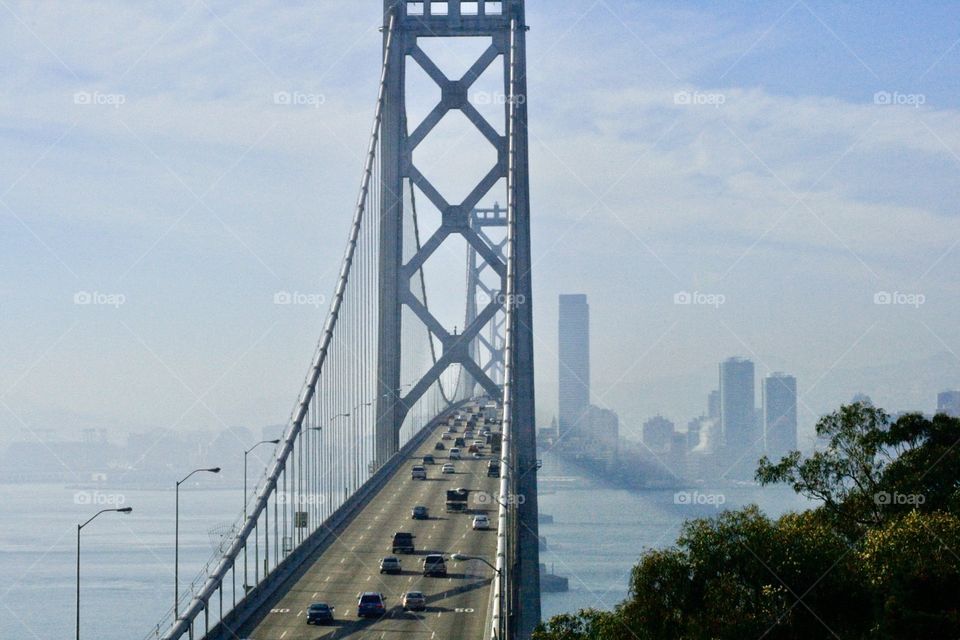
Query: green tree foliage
[878, 559]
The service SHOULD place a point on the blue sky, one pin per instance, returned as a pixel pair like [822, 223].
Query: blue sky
[734, 150]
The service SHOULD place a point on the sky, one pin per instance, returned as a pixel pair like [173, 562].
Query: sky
[792, 166]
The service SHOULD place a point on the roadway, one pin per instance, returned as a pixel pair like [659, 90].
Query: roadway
[457, 605]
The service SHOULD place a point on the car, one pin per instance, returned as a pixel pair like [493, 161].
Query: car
[370, 604]
[449, 468]
[419, 472]
[428, 459]
[459, 442]
[493, 469]
[454, 453]
[446, 436]
[414, 601]
[481, 523]
[319, 613]
[434, 565]
[473, 448]
[420, 513]
[439, 446]
[477, 455]
[402, 542]
[480, 444]
[390, 564]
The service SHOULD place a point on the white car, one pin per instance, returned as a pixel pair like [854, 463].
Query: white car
[446, 436]
[481, 523]
[455, 453]
[448, 468]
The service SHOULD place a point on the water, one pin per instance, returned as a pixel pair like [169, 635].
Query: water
[599, 533]
[127, 560]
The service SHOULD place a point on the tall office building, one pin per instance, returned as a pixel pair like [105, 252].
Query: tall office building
[948, 402]
[737, 402]
[574, 352]
[713, 405]
[779, 415]
[738, 422]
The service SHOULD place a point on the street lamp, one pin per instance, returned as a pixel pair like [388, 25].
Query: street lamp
[245, 453]
[79, 529]
[176, 542]
[460, 557]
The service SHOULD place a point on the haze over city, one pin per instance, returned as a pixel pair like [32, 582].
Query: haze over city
[795, 196]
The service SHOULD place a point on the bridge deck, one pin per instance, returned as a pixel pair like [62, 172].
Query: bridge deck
[456, 605]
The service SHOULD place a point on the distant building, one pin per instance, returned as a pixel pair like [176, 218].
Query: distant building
[779, 415]
[737, 402]
[948, 402]
[713, 404]
[574, 356]
[602, 428]
[738, 418]
[658, 434]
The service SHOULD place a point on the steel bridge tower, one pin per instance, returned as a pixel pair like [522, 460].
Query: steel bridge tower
[503, 24]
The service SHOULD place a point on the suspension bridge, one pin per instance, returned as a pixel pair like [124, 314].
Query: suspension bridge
[388, 376]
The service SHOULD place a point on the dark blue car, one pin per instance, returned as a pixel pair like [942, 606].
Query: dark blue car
[319, 613]
[370, 604]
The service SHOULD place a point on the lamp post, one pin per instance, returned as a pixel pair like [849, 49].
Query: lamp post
[176, 542]
[245, 454]
[79, 529]
[460, 557]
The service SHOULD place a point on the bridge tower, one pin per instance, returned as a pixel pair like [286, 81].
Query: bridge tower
[406, 23]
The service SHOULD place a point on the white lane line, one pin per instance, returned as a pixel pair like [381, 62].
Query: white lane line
[282, 635]
[300, 614]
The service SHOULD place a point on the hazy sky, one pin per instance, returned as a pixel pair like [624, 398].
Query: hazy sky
[745, 151]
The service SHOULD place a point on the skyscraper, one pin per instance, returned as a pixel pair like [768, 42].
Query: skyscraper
[574, 365]
[779, 415]
[737, 397]
[738, 422]
[948, 402]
